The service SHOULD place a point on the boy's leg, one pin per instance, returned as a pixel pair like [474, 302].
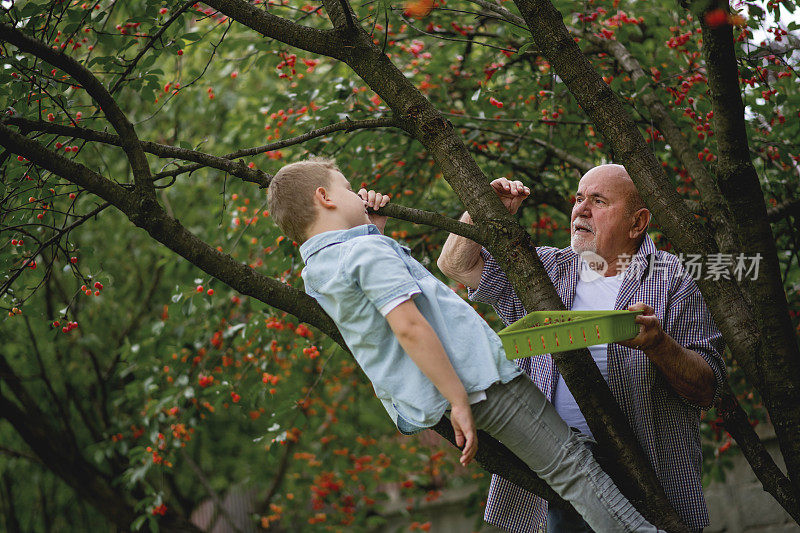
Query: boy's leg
[568, 521]
[518, 415]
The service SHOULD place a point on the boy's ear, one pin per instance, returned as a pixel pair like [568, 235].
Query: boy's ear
[322, 197]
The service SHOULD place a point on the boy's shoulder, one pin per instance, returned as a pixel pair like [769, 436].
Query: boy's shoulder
[372, 242]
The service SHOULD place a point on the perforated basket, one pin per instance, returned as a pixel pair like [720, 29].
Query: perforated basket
[543, 332]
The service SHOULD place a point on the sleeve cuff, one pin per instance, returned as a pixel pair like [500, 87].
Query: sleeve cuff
[386, 308]
[484, 293]
[719, 376]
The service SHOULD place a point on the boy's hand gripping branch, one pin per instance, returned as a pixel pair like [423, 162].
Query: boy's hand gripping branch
[375, 200]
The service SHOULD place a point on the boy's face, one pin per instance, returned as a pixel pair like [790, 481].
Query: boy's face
[353, 207]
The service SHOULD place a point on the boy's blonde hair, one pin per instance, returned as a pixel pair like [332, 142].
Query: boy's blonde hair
[291, 192]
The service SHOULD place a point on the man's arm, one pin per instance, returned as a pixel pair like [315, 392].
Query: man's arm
[461, 259]
[687, 372]
[421, 343]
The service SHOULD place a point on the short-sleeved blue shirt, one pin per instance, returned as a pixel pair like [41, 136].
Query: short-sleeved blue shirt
[353, 274]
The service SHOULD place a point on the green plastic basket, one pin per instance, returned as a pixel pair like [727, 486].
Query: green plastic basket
[543, 332]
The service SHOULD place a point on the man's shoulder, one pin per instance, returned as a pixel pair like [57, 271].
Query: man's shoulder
[550, 255]
[667, 262]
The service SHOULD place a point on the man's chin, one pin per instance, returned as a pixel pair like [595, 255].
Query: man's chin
[581, 247]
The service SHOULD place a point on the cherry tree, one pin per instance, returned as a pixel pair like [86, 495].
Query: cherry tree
[127, 124]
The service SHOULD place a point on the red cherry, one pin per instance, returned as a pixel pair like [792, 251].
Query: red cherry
[180, 52]
[716, 18]
[98, 285]
[199, 288]
[211, 292]
[73, 260]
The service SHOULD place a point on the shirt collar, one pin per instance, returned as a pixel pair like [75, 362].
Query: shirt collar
[327, 238]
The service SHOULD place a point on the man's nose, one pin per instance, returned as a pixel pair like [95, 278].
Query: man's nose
[582, 209]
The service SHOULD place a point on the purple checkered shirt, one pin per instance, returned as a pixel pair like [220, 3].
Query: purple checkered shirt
[666, 424]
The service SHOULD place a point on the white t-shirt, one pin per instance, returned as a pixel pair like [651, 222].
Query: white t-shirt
[597, 294]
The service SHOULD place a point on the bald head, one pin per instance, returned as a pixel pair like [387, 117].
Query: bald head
[618, 178]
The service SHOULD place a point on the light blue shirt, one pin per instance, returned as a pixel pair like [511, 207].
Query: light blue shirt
[353, 274]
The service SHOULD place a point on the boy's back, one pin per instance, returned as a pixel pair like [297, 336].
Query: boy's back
[358, 276]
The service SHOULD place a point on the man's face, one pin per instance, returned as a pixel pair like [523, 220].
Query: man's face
[353, 208]
[601, 222]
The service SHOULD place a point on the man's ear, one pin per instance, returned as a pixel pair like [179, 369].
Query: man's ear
[641, 219]
[322, 198]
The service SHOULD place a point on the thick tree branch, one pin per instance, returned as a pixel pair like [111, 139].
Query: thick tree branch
[779, 360]
[176, 237]
[235, 168]
[494, 457]
[715, 205]
[323, 42]
[418, 216]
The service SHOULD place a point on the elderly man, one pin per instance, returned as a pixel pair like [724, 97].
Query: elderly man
[662, 378]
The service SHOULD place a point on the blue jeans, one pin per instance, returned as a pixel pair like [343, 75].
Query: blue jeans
[518, 415]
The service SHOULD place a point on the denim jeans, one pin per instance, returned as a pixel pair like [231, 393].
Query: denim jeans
[518, 415]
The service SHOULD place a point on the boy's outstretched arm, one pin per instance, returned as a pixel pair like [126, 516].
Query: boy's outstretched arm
[421, 343]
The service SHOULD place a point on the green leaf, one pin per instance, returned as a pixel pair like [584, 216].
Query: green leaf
[520, 32]
[148, 60]
[525, 47]
[191, 37]
[136, 525]
[188, 307]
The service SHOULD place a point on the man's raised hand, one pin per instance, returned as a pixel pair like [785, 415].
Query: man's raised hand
[512, 193]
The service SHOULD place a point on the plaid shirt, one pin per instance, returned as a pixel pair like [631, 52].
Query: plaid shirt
[666, 424]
